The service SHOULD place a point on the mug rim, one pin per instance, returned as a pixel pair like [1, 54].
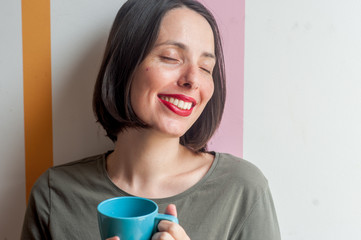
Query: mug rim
[126, 197]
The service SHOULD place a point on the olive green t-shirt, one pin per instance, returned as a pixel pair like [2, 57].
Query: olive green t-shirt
[232, 201]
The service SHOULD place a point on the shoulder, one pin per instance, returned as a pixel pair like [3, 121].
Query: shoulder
[66, 175]
[87, 164]
[237, 171]
[239, 168]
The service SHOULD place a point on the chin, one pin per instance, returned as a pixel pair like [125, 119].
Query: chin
[172, 132]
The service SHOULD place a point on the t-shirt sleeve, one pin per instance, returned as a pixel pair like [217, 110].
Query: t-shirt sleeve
[261, 222]
[35, 225]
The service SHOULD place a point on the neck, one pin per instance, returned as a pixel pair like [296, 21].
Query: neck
[142, 156]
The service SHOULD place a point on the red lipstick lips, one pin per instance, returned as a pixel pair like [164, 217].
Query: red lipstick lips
[178, 103]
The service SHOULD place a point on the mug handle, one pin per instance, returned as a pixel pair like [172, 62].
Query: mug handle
[159, 217]
[167, 217]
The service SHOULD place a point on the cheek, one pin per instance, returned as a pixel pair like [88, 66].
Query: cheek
[137, 92]
[143, 80]
[208, 92]
[146, 83]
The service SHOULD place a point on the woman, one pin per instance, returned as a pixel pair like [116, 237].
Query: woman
[159, 95]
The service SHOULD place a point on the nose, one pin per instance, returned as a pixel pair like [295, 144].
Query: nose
[189, 78]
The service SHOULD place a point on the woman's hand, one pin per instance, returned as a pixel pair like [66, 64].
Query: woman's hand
[170, 230]
[167, 230]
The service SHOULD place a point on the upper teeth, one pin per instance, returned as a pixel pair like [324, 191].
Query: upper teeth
[179, 103]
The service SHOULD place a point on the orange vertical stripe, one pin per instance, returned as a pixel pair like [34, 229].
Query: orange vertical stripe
[37, 89]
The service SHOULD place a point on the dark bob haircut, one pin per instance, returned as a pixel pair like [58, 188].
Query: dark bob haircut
[132, 37]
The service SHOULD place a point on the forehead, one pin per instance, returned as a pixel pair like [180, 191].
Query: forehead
[188, 27]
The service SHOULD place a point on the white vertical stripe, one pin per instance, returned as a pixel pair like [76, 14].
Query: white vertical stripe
[302, 119]
[12, 152]
[79, 31]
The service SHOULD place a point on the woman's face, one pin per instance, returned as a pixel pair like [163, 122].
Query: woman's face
[173, 84]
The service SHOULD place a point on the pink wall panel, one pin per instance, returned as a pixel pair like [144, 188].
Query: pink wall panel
[230, 15]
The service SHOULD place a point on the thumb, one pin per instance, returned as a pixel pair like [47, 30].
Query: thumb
[171, 210]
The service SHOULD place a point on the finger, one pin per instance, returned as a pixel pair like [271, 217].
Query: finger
[162, 236]
[171, 210]
[174, 229]
[113, 238]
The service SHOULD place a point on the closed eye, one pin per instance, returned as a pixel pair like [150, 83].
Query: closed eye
[206, 70]
[169, 58]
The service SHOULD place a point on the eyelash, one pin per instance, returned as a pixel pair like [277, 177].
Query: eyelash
[206, 70]
[169, 58]
[174, 59]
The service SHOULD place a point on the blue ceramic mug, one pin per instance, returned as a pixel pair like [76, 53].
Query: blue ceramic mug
[129, 218]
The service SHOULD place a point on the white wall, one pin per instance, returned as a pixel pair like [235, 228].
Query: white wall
[12, 169]
[78, 37]
[303, 112]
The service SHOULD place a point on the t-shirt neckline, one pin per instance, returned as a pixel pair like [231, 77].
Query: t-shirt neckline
[167, 199]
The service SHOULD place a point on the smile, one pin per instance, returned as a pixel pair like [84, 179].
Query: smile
[178, 103]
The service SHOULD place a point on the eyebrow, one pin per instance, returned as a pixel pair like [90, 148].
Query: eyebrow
[184, 47]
